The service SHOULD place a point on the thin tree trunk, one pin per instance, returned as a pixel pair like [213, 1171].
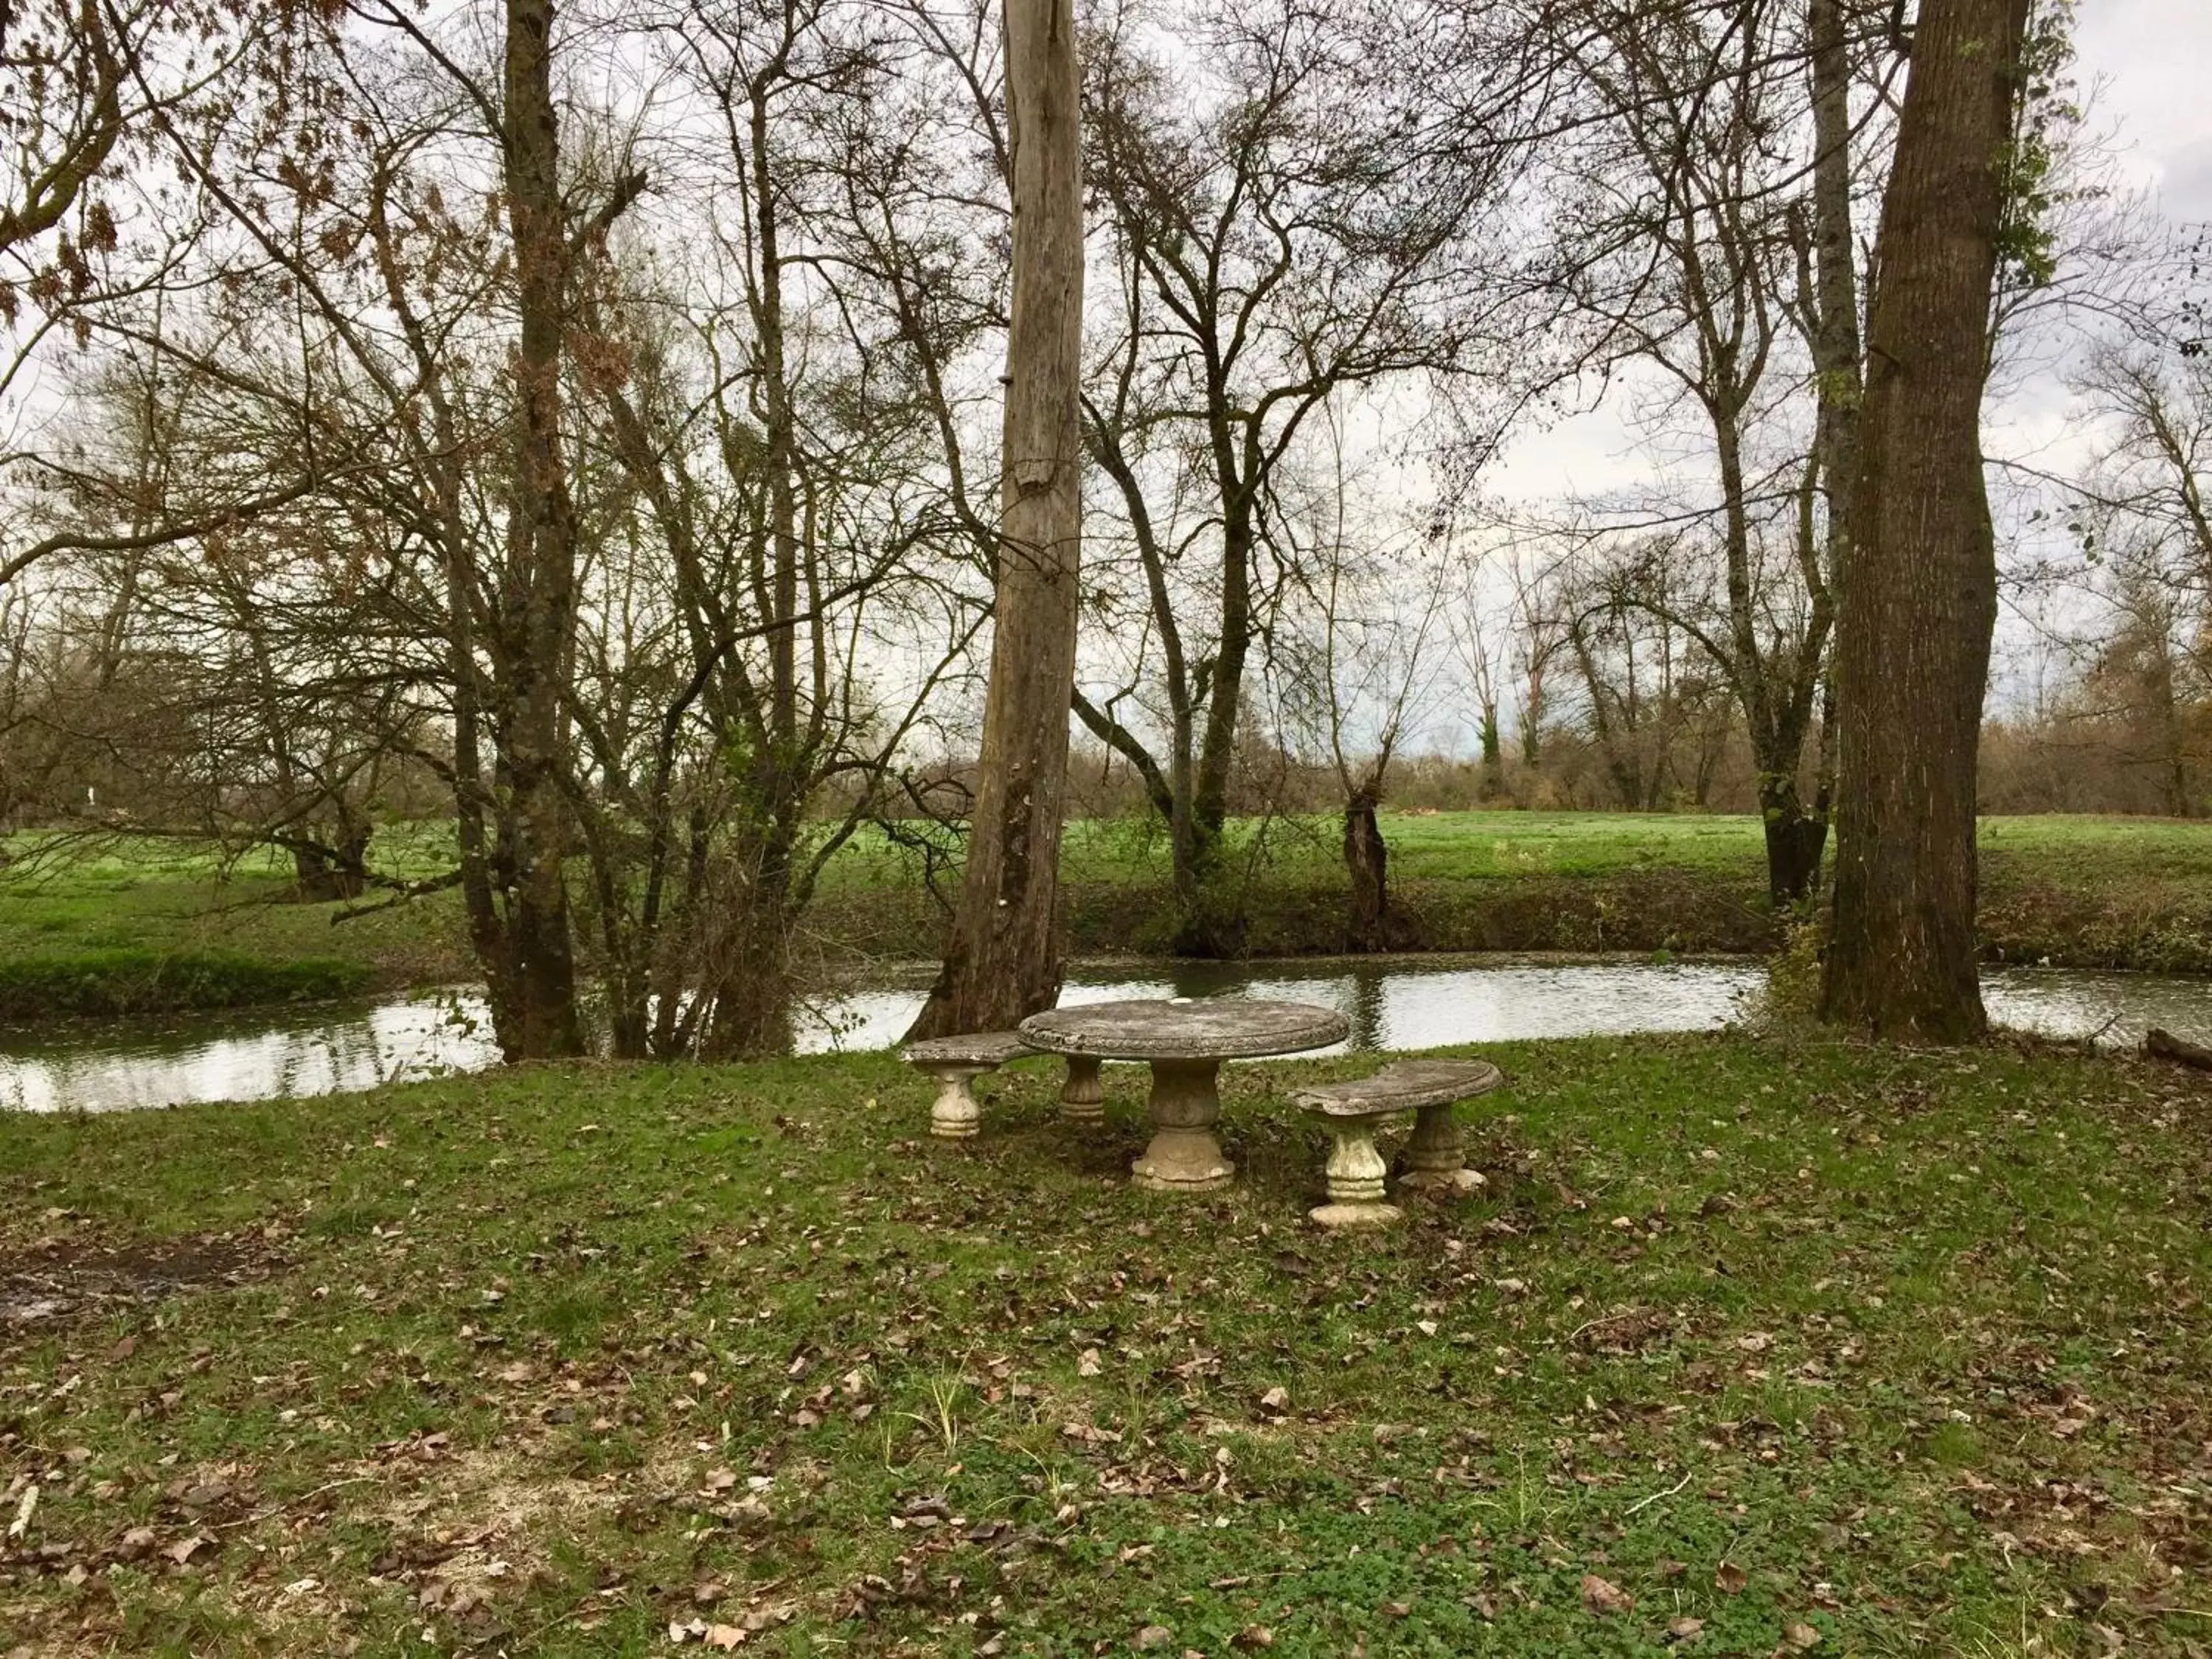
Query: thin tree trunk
[1003, 959]
[1367, 862]
[540, 1020]
[1918, 597]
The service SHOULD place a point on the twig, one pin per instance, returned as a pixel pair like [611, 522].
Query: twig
[1643, 1503]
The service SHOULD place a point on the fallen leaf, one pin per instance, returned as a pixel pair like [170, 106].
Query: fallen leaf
[1253, 1636]
[1275, 1401]
[1087, 1362]
[185, 1549]
[1154, 1636]
[726, 1636]
[1757, 1342]
[1730, 1578]
[1682, 1629]
[1801, 1636]
[1602, 1597]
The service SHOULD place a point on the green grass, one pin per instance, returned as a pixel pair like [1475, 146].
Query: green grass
[1909, 1350]
[154, 924]
[2081, 892]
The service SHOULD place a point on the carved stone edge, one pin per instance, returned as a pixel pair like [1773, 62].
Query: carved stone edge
[1333, 1029]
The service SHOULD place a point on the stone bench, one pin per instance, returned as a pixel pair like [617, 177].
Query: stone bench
[956, 1061]
[1435, 1156]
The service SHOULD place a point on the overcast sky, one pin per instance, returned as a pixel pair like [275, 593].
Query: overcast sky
[2149, 62]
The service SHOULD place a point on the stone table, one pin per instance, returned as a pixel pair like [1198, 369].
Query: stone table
[1186, 1040]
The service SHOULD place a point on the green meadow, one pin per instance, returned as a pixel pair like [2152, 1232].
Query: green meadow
[150, 925]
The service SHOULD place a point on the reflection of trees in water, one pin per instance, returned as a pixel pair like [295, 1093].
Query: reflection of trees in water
[231, 1058]
[290, 1056]
[1365, 1006]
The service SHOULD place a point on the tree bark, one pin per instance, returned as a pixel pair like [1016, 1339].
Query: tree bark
[539, 599]
[1918, 598]
[1003, 961]
[1796, 838]
[1367, 862]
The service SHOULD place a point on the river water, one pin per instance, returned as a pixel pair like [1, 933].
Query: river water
[1393, 1003]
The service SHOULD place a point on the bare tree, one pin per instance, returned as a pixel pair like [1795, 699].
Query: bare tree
[1356, 664]
[1726, 190]
[1305, 224]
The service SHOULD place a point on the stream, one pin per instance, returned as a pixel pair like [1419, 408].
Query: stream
[1393, 1003]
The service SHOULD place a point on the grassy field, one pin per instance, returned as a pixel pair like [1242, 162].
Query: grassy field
[1750, 1346]
[2082, 892]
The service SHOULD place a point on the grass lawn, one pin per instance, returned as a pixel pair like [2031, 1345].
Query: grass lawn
[1752, 1345]
[165, 925]
[2082, 892]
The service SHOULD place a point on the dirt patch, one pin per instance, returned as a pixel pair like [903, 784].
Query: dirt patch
[53, 1280]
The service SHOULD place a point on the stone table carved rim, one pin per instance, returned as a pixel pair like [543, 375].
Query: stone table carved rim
[1197, 1029]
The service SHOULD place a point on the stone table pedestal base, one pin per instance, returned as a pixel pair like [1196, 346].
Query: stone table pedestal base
[1083, 1097]
[1184, 1156]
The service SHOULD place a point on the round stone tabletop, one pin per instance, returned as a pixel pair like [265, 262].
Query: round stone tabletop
[1214, 1027]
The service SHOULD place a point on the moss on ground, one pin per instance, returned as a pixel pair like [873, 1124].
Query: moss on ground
[1753, 1341]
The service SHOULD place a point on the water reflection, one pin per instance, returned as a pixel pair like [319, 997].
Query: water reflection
[1392, 1003]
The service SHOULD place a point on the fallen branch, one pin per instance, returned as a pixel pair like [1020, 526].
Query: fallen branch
[2167, 1046]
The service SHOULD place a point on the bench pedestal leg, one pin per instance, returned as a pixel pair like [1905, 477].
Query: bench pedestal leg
[1436, 1157]
[1183, 1157]
[1083, 1097]
[957, 1115]
[1357, 1175]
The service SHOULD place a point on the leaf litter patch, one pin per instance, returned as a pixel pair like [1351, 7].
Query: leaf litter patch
[60, 1277]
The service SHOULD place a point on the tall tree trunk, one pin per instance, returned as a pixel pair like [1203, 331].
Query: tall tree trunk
[540, 1019]
[1002, 961]
[1839, 389]
[1918, 598]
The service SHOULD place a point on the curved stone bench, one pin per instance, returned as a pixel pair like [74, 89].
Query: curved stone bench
[1436, 1157]
[956, 1061]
